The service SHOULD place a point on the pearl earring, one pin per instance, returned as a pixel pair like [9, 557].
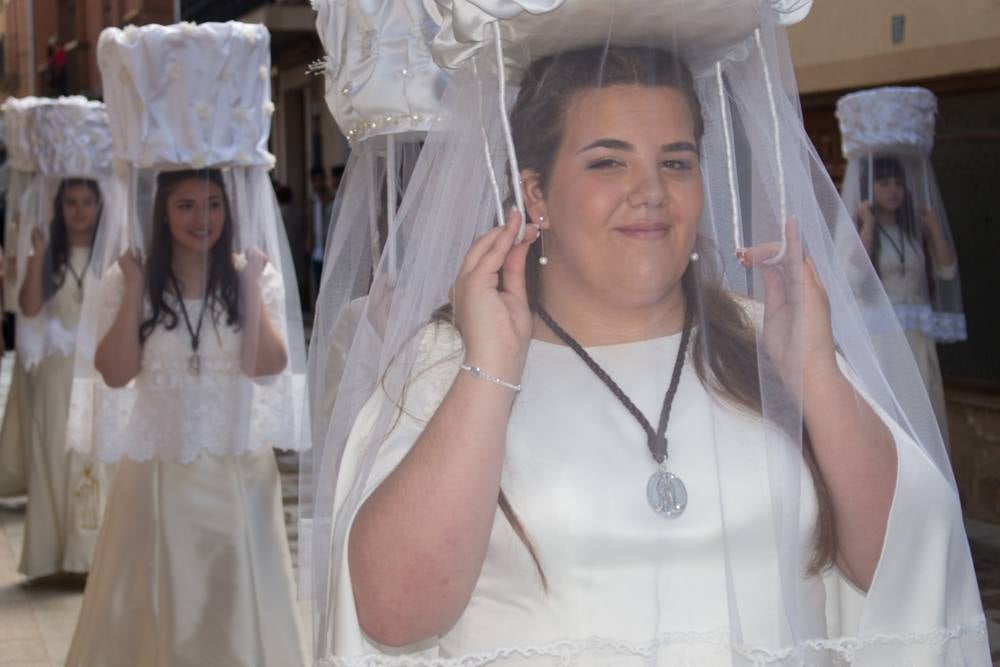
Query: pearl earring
[695, 257]
[542, 259]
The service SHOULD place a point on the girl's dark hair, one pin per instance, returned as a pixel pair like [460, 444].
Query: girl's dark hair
[58, 256]
[724, 347]
[222, 288]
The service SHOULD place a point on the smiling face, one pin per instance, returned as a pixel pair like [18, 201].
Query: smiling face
[889, 193]
[79, 208]
[196, 214]
[624, 195]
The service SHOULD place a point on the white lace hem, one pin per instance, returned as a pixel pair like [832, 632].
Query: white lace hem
[942, 327]
[567, 652]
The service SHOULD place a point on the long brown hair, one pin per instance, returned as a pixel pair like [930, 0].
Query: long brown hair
[222, 288]
[724, 346]
[58, 255]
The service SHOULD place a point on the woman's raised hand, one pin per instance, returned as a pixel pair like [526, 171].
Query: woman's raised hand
[131, 269]
[491, 302]
[798, 335]
[37, 241]
[864, 215]
[256, 261]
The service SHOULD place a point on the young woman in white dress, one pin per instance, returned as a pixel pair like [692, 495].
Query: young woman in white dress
[597, 453]
[64, 491]
[192, 564]
[910, 251]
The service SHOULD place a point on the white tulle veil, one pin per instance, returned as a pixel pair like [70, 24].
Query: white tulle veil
[759, 170]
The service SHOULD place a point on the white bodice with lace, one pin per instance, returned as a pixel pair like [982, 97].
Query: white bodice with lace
[169, 413]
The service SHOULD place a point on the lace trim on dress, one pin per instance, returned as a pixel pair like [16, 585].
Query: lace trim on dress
[942, 327]
[567, 652]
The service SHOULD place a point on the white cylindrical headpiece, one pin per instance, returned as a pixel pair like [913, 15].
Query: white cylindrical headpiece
[70, 136]
[884, 118]
[187, 95]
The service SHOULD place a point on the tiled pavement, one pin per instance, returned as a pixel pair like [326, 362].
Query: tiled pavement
[37, 620]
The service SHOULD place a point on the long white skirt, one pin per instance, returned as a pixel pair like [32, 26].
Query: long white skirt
[192, 568]
[65, 493]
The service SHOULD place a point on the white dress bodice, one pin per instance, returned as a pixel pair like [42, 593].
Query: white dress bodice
[904, 277]
[172, 414]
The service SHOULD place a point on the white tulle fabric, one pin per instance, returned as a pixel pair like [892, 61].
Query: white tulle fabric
[744, 599]
[178, 98]
[188, 95]
[876, 119]
[216, 404]
[380, 77]
[384, 91]
[21, 160]
[610, 565]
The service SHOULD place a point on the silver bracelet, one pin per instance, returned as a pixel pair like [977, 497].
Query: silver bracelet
[483, 375]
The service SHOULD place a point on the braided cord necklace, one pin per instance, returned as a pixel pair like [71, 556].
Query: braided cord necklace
[665, 491]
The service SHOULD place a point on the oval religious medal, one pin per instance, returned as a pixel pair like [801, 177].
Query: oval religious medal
[194, 364]
[666, 494]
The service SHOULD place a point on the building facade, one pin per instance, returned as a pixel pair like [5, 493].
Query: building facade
[49, 46]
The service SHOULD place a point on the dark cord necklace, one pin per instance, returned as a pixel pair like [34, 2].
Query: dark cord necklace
[194, 361]
[665, 491]
[900, 247]
[78, 277]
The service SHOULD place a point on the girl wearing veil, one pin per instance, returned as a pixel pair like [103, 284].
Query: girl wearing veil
[60, 219]
[890, 186]
[17, 411]
[196, 370]
[649, 427]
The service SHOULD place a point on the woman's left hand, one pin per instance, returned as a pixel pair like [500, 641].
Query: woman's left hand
[930, 223]
[256, 261]
[797, 336]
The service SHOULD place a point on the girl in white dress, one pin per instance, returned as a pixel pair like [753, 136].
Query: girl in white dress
[907, 246]
[605, 449]
[890, 187]
[192, 565]
[64, 491]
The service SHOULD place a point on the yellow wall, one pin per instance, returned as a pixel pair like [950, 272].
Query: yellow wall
[846, 44]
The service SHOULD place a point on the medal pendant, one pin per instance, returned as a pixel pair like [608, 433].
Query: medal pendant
[666, 493]
[194, 364]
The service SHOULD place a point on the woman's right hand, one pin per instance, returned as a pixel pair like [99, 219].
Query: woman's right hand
[37, 241]
[131, 269]
[864, 215]
[495, 321]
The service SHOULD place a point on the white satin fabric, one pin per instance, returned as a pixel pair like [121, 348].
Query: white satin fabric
[467, 25]
[380, 77]
[220, 411]
[626, 586]
[192, 569]
[66, 493]
[188, 96]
